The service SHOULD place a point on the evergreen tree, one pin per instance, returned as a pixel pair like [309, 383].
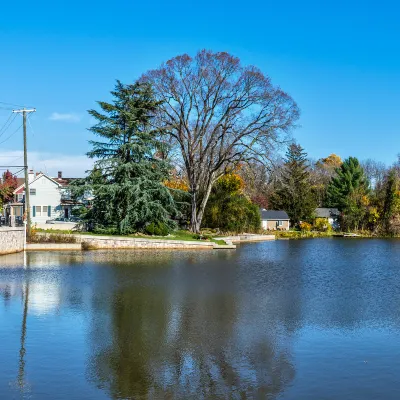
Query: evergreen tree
[391, 203]
[129, 194]
[348, 191]
[293, 193]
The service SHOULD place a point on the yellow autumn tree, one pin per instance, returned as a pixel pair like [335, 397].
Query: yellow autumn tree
[177, 183]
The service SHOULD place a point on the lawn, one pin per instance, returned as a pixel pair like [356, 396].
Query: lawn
[176, 235]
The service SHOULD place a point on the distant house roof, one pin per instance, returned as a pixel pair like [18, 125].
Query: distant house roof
[274, 215]
[64, 181]
[20, 181]
[327, 212]
[21, 188]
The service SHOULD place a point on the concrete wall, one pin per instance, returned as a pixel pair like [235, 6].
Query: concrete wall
[89, 242]
[109, 242]
[247, 238]
[11, 240]
[53, 246]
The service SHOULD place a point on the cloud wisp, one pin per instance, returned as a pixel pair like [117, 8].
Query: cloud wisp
[71, 165]
[67, 117]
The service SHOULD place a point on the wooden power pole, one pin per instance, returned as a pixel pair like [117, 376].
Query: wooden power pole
[24, 112]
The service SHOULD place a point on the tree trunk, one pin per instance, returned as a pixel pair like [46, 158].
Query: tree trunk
[198, 211]
[194, 226]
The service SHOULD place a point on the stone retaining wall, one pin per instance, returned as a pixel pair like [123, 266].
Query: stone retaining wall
[53, 246]
[90, 242]
[100, 242]
[11, 240]
[247, 238]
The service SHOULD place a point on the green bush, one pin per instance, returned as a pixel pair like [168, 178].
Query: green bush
[201, 237]
[232, 213]
[157, 229]
[106, 231]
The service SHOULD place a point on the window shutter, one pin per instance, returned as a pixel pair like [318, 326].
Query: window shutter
[33, 211]
[49, 211]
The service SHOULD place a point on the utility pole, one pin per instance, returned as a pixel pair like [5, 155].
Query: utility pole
[24, 112]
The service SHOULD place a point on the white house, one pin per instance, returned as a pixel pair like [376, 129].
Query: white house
[49, 198]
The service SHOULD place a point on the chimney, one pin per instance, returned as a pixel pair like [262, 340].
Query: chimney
[31, 176]
[59, 174]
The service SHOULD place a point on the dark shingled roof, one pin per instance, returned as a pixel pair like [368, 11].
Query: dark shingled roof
[273, 215]
[327, 212]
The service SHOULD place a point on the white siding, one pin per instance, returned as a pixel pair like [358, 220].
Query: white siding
[47, 194]
[264, 224]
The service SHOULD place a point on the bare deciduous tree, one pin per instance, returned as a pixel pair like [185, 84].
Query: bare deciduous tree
[218, 113]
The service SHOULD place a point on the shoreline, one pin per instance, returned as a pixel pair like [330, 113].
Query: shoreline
[295, 235]
[106, 242]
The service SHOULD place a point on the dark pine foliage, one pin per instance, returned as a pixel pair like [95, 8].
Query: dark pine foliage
[293, 193]
[349, 180]
[127, 181]
[348, 191]
[390, 204]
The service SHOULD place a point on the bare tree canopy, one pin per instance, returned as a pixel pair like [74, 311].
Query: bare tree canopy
[219, 113]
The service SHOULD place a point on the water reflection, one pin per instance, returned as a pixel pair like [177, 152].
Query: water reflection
[21, 370]
[158, 343]
[272, 320]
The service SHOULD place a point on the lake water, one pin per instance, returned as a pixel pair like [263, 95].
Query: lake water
[307, 319]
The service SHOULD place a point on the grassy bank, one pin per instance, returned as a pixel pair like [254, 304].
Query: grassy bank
[66, 236]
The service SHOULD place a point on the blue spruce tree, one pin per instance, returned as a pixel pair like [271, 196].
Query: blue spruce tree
[130, 167]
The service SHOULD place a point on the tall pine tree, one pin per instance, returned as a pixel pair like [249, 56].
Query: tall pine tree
[129, 194]
[349, 179]
[348, 191]
[293, 193]
[391, 204]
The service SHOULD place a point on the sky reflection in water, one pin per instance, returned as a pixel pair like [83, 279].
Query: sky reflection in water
[305, 319]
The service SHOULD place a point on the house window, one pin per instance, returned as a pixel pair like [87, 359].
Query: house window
[20, 196]
[41, 211]
[32, 192]
[280, 223]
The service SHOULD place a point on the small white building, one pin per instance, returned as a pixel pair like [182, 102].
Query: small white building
[49, 198]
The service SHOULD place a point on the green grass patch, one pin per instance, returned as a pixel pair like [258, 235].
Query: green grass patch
[176, 235]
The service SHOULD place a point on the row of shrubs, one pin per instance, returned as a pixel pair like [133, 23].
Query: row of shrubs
[320, 225]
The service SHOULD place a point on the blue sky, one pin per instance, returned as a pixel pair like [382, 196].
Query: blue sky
[339, 60]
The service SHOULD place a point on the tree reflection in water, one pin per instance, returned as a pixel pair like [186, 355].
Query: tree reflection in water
[181, 338]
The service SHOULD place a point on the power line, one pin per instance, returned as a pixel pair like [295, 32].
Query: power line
[11, 104]
[4, 127]
[5, 140]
